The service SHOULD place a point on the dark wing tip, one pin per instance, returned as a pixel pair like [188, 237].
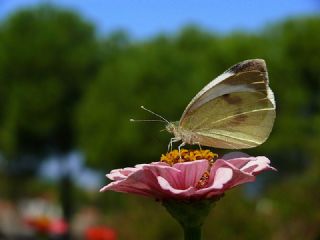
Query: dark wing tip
[249, 65]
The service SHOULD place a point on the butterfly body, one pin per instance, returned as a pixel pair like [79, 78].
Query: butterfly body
[235, 110]
[182, 134]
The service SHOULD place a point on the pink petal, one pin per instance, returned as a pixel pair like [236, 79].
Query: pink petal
[117, 187]
[173, 192]
[167, 172]
[119, 174]
[140, 182]
[191, 172]
[257, 165]
[238, 175]
[239, 162]
[222, 176]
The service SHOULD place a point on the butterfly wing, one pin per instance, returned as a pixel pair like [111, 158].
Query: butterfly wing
[236, 110]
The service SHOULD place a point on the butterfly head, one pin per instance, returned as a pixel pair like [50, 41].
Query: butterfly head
[171, 127]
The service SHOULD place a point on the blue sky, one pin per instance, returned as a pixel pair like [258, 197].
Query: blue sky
[146, 18]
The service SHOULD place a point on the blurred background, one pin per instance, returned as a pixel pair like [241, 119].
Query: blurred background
[72, 74]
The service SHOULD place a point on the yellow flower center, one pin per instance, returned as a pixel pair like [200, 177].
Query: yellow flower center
[187, 156]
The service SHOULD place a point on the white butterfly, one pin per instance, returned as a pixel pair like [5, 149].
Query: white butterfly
[235, 110]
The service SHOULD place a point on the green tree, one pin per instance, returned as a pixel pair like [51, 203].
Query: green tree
[48, 57]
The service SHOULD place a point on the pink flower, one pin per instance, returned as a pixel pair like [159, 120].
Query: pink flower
[186, 180]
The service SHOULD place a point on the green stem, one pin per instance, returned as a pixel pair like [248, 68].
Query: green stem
[192, 233]
[191, 214]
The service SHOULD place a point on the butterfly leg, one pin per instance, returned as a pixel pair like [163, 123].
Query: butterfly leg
[172, 140]
[199, 145]
[179, 148]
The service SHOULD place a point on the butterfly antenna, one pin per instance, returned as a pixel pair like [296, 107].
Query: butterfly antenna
[146, 120]
[159, 116]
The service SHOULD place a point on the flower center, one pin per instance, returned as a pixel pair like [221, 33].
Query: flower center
[187, 156]
[204, 179]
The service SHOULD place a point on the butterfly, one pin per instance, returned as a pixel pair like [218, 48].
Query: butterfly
[236, 110]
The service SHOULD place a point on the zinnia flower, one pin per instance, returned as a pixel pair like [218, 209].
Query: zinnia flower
[196, 174]
[187, 183]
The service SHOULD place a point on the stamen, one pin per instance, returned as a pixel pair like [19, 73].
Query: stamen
[187, 156]
[203, 180]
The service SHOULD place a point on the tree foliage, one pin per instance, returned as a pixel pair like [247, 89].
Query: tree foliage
[48, 57]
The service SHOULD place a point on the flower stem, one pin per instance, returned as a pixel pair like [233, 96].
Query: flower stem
[192, 233]
[191, 214]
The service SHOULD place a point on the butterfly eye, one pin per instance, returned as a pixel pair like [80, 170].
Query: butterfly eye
[170, 127]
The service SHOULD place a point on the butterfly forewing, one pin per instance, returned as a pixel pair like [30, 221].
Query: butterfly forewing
[236, 110]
